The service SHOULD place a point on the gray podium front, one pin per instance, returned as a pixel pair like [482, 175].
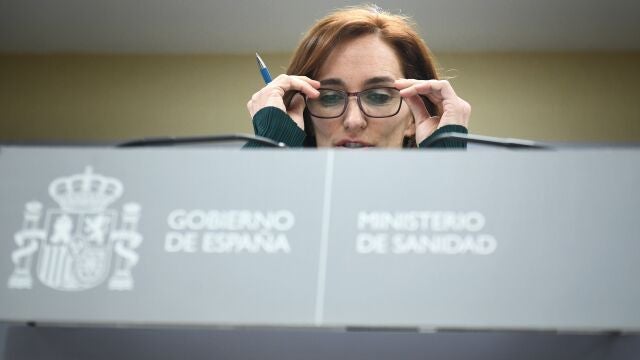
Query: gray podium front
[120, 243]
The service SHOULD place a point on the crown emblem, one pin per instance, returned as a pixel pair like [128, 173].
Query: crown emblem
[86, 192]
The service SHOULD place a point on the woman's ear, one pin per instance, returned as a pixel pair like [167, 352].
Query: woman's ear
[410, 129]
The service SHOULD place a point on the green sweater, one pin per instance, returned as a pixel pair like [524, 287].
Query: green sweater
[275, 124]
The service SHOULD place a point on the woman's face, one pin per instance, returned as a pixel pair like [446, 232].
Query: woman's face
[356, 65]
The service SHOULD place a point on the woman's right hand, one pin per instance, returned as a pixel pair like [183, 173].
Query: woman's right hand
[272, 94]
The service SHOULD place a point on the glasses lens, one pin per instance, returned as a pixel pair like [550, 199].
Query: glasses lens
[380, 102]
[329, 104]
[375, 102]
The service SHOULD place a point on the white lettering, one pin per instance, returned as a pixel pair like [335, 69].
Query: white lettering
[284, 220]
[232, 242]
[474, 221]
[370, 243]
[437, 221]
[176, 219]
[231, 220]
[486, 244]
[180, 242]
[448, 244]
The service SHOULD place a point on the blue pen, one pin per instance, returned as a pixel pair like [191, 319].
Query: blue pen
[263, 69]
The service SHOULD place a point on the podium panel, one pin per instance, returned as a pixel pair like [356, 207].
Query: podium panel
[538, 240]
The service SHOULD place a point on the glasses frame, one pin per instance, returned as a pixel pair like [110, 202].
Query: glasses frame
[357, 95]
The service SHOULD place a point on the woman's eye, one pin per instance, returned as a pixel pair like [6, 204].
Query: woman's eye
[377, 97]
[331, 98]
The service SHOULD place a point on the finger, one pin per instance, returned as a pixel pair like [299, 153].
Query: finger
[296, 110]
[300, 83]
[404, 83]
[315, 83]
[417, 107]
[438, 87]
[304, 86]
[409, 87]
[436, 90]
[414, 91]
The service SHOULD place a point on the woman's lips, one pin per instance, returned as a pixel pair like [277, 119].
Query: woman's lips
[352, 144]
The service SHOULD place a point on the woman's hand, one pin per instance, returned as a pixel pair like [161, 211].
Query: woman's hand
[455, 111]
[271, 95]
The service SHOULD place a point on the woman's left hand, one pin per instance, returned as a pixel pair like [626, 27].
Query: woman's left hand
[455, 111]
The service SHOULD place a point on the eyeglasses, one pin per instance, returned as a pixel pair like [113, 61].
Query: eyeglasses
[378, 102]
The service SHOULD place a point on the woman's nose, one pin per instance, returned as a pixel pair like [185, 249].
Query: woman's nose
[354, 119]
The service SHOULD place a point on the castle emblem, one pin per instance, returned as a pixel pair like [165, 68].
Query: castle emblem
[81, 241]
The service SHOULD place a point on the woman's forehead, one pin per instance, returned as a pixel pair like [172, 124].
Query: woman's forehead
[361, 61]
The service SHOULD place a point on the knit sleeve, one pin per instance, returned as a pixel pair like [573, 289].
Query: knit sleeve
[446, 143]
[275, 124]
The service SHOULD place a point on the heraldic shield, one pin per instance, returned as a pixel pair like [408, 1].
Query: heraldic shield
[82, 241]
[75, 253]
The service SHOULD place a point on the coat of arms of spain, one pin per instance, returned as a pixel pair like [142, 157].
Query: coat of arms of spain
[76, 246]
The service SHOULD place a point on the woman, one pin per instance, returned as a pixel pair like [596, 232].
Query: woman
[360, 77]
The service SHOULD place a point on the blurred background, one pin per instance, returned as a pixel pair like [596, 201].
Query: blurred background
[97, 71]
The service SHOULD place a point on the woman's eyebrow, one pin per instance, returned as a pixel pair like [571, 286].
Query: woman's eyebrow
[379, 80]
[332, 81]
[371, 81]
